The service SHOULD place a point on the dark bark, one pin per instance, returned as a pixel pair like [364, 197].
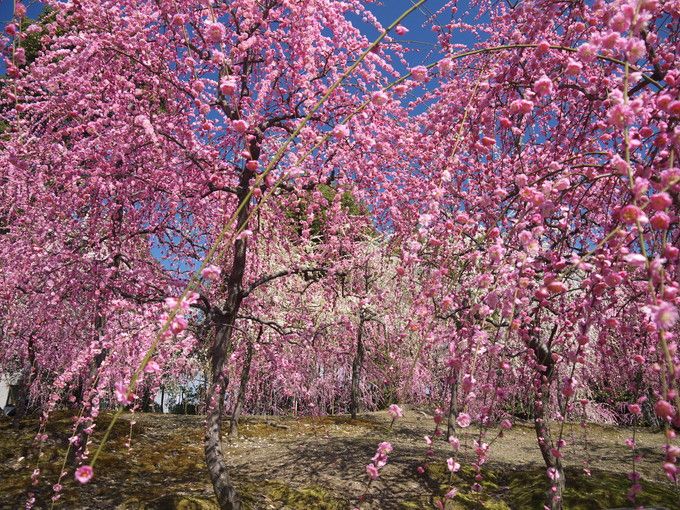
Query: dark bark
[245, 377]
[541, 350]
[555, 493]
[224, 321]
[357, 365]
[23, 387]
[453, 404]
[214, 458]
[21, 398]
[146, 400]
[85, 388]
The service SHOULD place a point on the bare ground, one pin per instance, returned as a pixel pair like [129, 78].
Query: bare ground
[300, 463]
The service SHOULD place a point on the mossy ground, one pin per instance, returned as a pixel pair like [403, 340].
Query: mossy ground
[256, 427]
[506, 489]
[304, 463]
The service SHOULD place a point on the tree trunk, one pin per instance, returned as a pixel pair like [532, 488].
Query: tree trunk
[224, 321]
[357, 364]
[146, 400]
[214, 458]
[23, 387]
[21, 397]
[554, 495]
[85, 390]
[245, 377]
[453, 404]
[545, 444]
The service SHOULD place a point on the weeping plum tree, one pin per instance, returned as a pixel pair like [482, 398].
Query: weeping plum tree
[558, 195]
[172, 117]
[532, 201]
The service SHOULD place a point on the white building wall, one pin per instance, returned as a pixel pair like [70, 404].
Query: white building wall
[4, 391]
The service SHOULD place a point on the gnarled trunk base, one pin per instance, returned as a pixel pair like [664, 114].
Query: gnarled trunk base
[245, 377]
[214, 459]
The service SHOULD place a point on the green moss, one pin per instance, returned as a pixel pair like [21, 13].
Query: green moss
[259, 430]
[277, 494]
[490, 498]
[171, 456]
[304, 497]
[600, 491]
[526, 488]
[13, 484]
[170, 502]
[341, 420]
[165, 469]
[307, 425]
[255, 495]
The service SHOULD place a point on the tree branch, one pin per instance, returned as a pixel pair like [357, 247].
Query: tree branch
[280, 274]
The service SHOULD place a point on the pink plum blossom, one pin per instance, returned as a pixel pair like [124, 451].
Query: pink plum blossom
[228, 86]
[241, 126]
[123, 394]
[452, 466]
[454, 442]
[574, 67]
[211, 272]
[419, 73]
[379, 98]
[664, 409]
[84, 474]
[660, 201]
[215, 32]
[463, 420]
[632, 213]
[395, 411]
[660, 221]
[523, 106]
[152, 367]
[635, 259]
[543, 86]
[451, 494]
[341, 131]
[372, 472]
[385, 447]
[665, 315]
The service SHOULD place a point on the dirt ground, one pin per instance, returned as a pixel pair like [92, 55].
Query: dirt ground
[310, 463]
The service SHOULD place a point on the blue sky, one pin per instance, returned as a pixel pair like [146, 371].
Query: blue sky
[421, 38]
[7, 8]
